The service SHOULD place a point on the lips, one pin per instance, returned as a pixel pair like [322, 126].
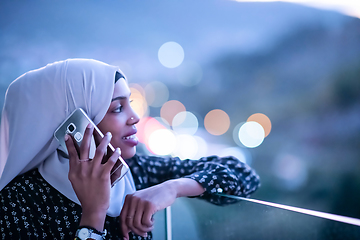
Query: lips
[131, 138]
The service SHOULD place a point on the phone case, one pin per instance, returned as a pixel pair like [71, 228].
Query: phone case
[75, 125]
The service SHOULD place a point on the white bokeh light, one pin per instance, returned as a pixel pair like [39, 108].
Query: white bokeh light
[156, 93]
[186, 147]
[251, 134]
[171, 54]
[162, 142]
[202, 147]
[349, 7]
[236, 152]
[185, 123]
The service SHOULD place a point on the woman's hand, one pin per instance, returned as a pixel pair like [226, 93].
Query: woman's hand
[90, 178]
[139, 207]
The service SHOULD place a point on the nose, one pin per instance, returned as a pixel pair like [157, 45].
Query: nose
[134, 118]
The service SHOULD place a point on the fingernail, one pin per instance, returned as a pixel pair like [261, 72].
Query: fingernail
[66, 137]
[145, 235]
[108, 135]
[118, 150]
[89, 125]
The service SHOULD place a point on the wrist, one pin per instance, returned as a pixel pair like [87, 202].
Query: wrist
[185, 187]
[95, 219]
[87, 233]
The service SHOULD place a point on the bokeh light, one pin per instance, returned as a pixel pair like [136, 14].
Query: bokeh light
[146, 127]
[162, 142]
[171, 54]
[251, 134]
[263, 120]
[202, 147]
[186, 146]
[170, 109]
[217, 122]
[156, 94]
[348, 7]
[235, 152]
[189, 73]
[291, 171]
[138, 87]
[138, 101]
[236, 134]
[185, 123]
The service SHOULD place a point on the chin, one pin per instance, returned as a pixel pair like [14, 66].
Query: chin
[128, 153]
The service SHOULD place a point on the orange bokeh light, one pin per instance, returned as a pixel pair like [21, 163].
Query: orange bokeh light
[170, 109]
[263, 120]
[138, 88]
[217, 122]
[138, 103]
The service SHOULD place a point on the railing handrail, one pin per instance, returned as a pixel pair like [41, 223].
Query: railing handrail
[330, 216]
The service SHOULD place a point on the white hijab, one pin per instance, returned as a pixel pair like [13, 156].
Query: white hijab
[36, 103]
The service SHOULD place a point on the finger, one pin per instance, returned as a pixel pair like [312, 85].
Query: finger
[137, 218]
[73, 155]
[107, 154]
[101, 149]
[126, 236]
[131, 212]
[138, 227]
[76, 146]
[98, 136]
[118, 164]
[124, 213]
[108, 166]
[86, 142]
[147, 219]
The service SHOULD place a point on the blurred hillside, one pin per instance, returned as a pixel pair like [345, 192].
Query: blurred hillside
[309, 86]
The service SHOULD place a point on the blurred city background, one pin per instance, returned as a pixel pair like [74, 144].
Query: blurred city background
[276, 84]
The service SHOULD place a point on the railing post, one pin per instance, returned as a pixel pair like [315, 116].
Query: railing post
[168, 223]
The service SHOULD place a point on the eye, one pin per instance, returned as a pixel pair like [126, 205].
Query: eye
[118, 109]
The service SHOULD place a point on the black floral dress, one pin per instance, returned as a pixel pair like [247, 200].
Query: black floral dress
[30, 208]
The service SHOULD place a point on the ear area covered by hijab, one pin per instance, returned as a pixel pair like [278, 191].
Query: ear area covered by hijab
[36, 103]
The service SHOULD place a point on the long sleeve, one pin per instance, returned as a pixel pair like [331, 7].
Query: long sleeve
[215, 174]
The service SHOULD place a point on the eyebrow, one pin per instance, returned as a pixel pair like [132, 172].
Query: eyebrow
[120, 98]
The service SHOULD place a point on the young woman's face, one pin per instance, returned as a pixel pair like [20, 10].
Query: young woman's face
[120, 120]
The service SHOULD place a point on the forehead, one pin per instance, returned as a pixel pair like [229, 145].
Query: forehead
[121, 88]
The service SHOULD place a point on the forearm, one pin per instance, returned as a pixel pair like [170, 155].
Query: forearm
[186, 187]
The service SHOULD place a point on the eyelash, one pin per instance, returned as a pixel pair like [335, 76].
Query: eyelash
[119, 109]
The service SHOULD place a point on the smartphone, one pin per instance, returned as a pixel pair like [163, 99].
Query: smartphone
[75, 125]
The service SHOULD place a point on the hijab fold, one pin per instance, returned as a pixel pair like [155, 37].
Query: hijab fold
[36, 103]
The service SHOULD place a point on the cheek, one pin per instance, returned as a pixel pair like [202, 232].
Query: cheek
[113, 125]
[117, 130]
[103, 127]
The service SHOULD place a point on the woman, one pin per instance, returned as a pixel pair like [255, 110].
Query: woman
[48, 194]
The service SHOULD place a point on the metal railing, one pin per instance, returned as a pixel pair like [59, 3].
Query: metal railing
[191, 218]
